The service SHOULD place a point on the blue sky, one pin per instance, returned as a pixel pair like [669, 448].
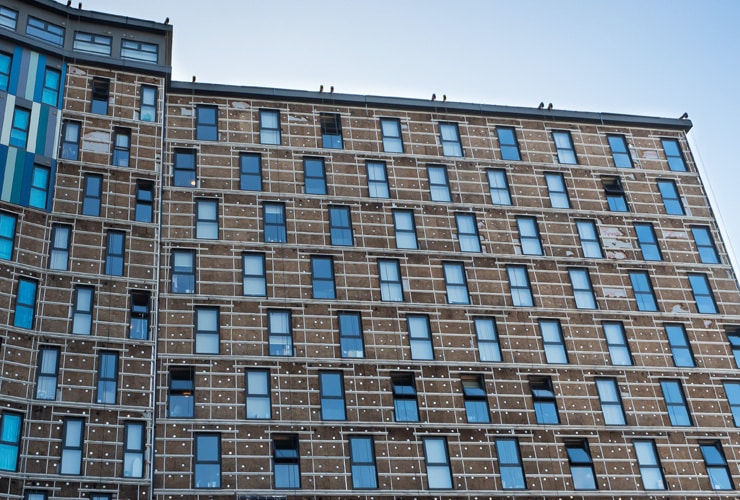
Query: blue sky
[657, 58]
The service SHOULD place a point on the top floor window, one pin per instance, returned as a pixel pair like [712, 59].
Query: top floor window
[508, 144]
[206, 123]
[45, 31]
[564, 147]
[331, 131]
[391, 131]
[269, 126]
[450, 138]
[139, 51]
[673, 155]
[92, 43]
[8, 18]
[620, 152]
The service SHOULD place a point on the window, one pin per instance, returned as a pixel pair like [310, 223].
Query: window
[47, 372]
[254, 279]
[340, 224]
[405, 229]
[620, 151]
[181, 393]
[10, 440]
[556, 190]
[70, 141]
[439, 183]
[675, 402]
[82, 310]
[7, 235]
[390, 129]
[455, 282]
[450, 138]
[45, 31]
[280, 332]
[362, 462]
[389, 272]
[286, 461]
[107, 377]
[114, 253]
[92, 43]
[649, 464]
[467, 233]
[92, 194]
[100, 497]
[269, 126]
[702, 294]
[583, 292]
[207, 330]
[206, 223]
[258, 395]
[250, 172]
[439, 474]
[206, 123]
[552, 340]
[19, 127]
[133, 449]
[616, 341]
[6, 63]
[331, 388]
[139, 51]
[680, 347]
[521, 293]
[274, 223]
[705, 245]
[405, 406]
[100, 96]
[643, 290]
[733, 337]
[543, 397]
[50, 90]
[42, 495]
[589, 239]
[564, 147]
[148, 104]
[314, 176]
[499, 187]
[331, 131]
[207, 460]
[615, 197]
[581, 465]
[144, 210]
[671, 201]
[60, 242]
[648, 241]
[673, 154]
[25, 303]
[611, 401]
[184, 168]
[322, 278]
[139, 316]
[8, 18]
[350, 335]
[72, 438]
[420, 336]
[488, 343]
[716, 464]
[508, 144]
[121, 147]
[510, 464]
[476, 403]
[732, 389]
[183, 271]
[39, 194]
[529, 236]
[377, 180]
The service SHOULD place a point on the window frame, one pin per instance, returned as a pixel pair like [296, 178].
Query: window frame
[616, 198]
[51, 86]
[520, 287]
[529, 235]
[467, 232]
[705, 246]
[20, 126]
[275, 319]
[716, 466]
[377, 185]
[498, 186]
[553, 341]
[24, 312]
[274, 228]
[250, 172]
[610, 399]
[508, 144]
[456, 283]
[140, 320]
[270, 135]
[648, 462]
[391, 287]
[678, 341]
[134, 50]
[439, 183]
[580, 460]
[340, 226]
[475, 399]
[351, 334]
[207, 225]
[82, 310]
[619, 352]
[391, 143]
[405, 402]
[8, 18]
[286, 458]
[331, 395]
[254, 277]
[620, 151]
[47, 372]
[314, 175]
[148, 100]
[404, 227]
[115, 254]
[544, 401]
[419, 331]
[185, 273]
[331, 131]
[511, 472]
[106, 388]
[95, 44]
[8, 223]
[206, 122]
[45, 31]
[703, 295]
[675, 159]
[99, 96]
[185, 168]
[449, 139]
[181, 392]
[121, 147]
[212, 466]
[72, 448]
[363, 466]
[40, 182]
[92, 195]
[642, 288]
[258, 394]
[6, 63]
[70, 143]
[322, 275]
[590, 243]
[732, 393]
[144, 206]
[671, 198]
[492, 342]
[134, 449]
[733, 338]
[559, 197]
[59, 247]
[647, 240]
[10, 439]
[676, 404]
[583, 289]
[564, 147]
[438, 465]
[207, 321]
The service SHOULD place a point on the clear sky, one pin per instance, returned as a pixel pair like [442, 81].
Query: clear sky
[657, 58]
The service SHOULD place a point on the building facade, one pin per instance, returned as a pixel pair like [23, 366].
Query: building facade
[212, 291]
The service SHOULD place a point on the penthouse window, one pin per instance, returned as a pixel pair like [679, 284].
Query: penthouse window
[46, 31]
[206, 221]
[620, 151]
[331, 390]
[455, 283]
[489, 348]
[280, 332]
[25, 303]
[529, 236]
[675, 402]
[521, 292]
[647, 241]
[7, 235]
[420, 336]
[50, 90]
[581, 465]
[705, 245]
[671, 200]
[183, 271]
[92, 43]
[269, 126]
[207, 460]
[73, 432]
[589, 237]
[611, 401]
[340, 223]
[258, 394]
[643, 290]
[703, 296]
[390, 129]
[499, 187]
[673, 154]
[510, 464]
[134, 439]
[389, 272]
[556, 190]
[331, 131]
[148, 104]
[405, 405]
[47, 371]
[8, 18]
[107, 377]
[362, 462]
[351, 340]
[254, 279]
[405, 229]
[552, 340]
[476, 402]
[144, 210]
[181, 402]
[115, 253]
[467, 233]
[61, 236]
[508, 144]
[70, 140]
[100, 96]
[439, 183]
[583, 291]
[377, 179]
[184, 168]
[450, 139]
[206, 123]
[615, 197]
[6, 63]
[10, 440]
[314, 177]
[543, 398]
[680, 347]
[207, 330]
[250, 172]
[651, 471]
[439, 473]
[286, 461]
[716, 464]
[121, 147]
[616, 342]
[92, 194]
[322, 278]
[82, 310]
[140, 314]
[274, 222]
[564, 146]
[140, 51]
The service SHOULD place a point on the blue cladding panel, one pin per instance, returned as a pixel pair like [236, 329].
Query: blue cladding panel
[38, 86]
[15, 70]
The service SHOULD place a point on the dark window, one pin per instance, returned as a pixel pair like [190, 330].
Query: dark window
[274, 223]
[121, 147]
[467, 233]
[10, 440]
[521, 292]
[207, 330]
[643, 290]
[207, 461]
[25, 303]
[615, 197]
[702, 294]
[115, 253]
[362, 462]
[450, 139]
[564, 147]
[100, 96]
[716, 464]
[583, 291]
[71, 141]
[391, 130]
[107, 377]
[258, 395]
[92, 43]
[529, 236]
[280, 332]
[184, 168]
[19, 127]
[489, 348]
[589, 239]
[499, 187]
[671, 200]
[206, 222]
[61, 237]
[508, 144]
[673, 155]
[439, 473]
[181, 393]
[82, 310]
[331, 131]
[6, 64]
[439, 183]
[405, 405]
[331, 389]
[139, 51]
[140, 314]
[705, 245]
[377, 179]
[47, 372]
[620, 151]
[611, 401]
[456, 283]
[556, 190]
[680, 347]
[286, 461]
[340, 224]
[552, 340]
[269, 126]
[314, 176]
[405, 229]
[183, 271]
[616, 342]
[389, 272]
[648, 241]
[134, 439]
[581, 465]
[250, 172]
[420, 336]
[322, 278]
[543, 397]
[350, 335]
[148, 104]
[50, 90]
[73, 434]
[476, 402]
[144, 210]
[93, 190]
[675, 402]
[206, 123]
[7, 235]
[254, 280]
[510, 464]
[651, 471]
[46, 31]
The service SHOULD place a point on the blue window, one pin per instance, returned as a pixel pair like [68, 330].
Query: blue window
[134, 439]
[73, 435]
[322, 278]
[583, 291]
[643, 290]
[702, 294]
[314, 176]
[206, 219]
[207, 460]
[675, 401]
[10, 440]
[581, 465]
[405, 229]
[510, 464]
[250, 172]
[19, 127]
[8, 18]
[259, 406]
[476, 401]
[100, 96]
[620, 151]
[92, 43]
[115, 253]
[274, 223]
[456, 283]
[733, 337]
[331, 131]
[183, 271]
[390, 129]
[48, 32]
[7, 235]
[439, 473]
[206, 123]
[184, 168]
[70, 141]
[611, 401]
[121, 147]
[489, 348]
[47, 372]
[673, 154]
[254, 279]
[648, 241]
[529, 236]
[82, 310]
[616, 342]
[331, 391]
[207, 330]
[405, 405]
[340, 224]
[6, 63]
[615, 196]
[521, 292]
[139, 51]
[680, 347]
[564, 147]
[552, 340]
[508, 144]
[439, 183]
[450, 138]
[671, 200]
[181, 395]
[350, 335]
[286, 461]
[543, 397]
[705, 245]
[280, 332]
[467, 233]
[389, 272]
[140, 315]
[269, 126]
[716, 464]
[93, 191]
[732, 389]
[377, 179]
[50, 90]
[144, 210]
[39, 194]
[556, 190]
[362, 462]
[148, 104]
[420, 336]
[25, 303]
[589, 237]
[499, 187]
[651, 471]
[107, 377]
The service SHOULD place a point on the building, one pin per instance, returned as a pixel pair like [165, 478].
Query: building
[212, 291]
